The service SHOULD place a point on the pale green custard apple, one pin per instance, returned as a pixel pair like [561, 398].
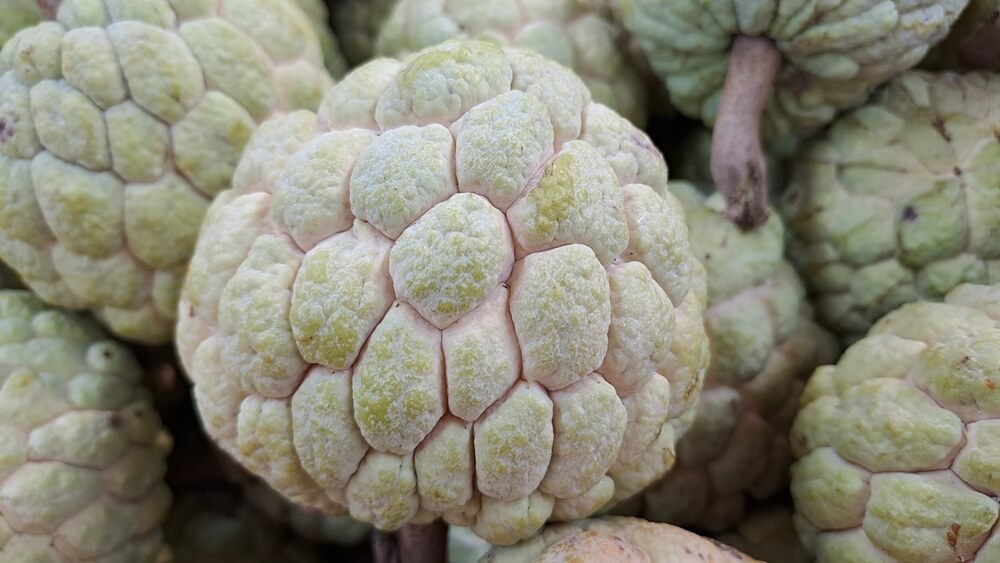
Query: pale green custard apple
[357, 24]
[582, 37]
[319, 15]
[754, 68]
[900, 200]
[974, 40]
[82, 451]
[16, 15]
[619, 540]
[898, 444]
[461, 291]
[118, 124]
[764, 344]
[769, 535]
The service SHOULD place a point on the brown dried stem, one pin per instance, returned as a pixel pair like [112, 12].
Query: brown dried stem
[738, 165]
[981, 49]
[426, 543]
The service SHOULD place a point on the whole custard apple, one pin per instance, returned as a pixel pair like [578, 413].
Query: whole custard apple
[898, 444]
[585, 38]
[82, 451]
[768, 67]
[764, 344]
[118, 124]
[461, 291]
[900, 200]
[16, 15]
[618, 540]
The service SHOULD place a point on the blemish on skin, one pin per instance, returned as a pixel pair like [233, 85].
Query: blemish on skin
[909, 213]
[953, 534]
[116, 422]
[990, 385]
[938, 125]
[957, 171]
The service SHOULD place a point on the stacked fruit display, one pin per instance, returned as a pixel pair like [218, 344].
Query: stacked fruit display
[263, 301]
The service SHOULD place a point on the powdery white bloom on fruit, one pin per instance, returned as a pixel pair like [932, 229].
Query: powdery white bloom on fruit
[897, 444]
[900, 200]
[764, 344]
[461, 290]
[833, 53]
[616, 539]
[585, 38]
[82, 451]
[119, 122]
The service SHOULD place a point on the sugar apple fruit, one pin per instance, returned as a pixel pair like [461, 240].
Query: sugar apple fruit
[461, 290]
[769, 535]
[319, 16]
[357, 24]
[82, 451]
[898, 443]
[616, 539]
[974, 40]
[16, 15]
[764, 344]
[118, 123]
[764, 66]
[584, 38]
[900, 200]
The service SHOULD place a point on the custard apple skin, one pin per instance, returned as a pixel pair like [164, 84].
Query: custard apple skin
[82, 450]
[16, 15]
[118, 124]
[584, 38]
[462, 290]
[897, 444]
[946, 55]
[319, 16]
[899, 200]
[357, 24]
[764, 344]
[616, 539]
[834, 52]
[769, 535]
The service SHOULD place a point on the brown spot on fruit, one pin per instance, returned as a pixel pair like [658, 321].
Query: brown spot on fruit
[953, 534]
[990, 385]
[115, 421]
[909, 213]
[938, 125]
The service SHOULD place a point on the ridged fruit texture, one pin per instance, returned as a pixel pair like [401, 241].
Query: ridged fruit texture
[764, 344]
[900, 200]
[461, 290]
[834, 52]
[82, 451]
[898, 444]
[118, 124]
[586, 39]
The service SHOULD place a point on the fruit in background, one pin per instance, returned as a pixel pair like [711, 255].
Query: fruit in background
[763, 67]
[973, 43]
[118, 126]
[16, 15]
[83, 452]
[442, 297]
[319, 15]
[769, 535]
[584, 38]
[357, 24]
[764, 344]
[897, 444]
[900, 200]
[617, 539]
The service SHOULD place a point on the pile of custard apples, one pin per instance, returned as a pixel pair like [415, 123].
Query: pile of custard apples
[412, 281]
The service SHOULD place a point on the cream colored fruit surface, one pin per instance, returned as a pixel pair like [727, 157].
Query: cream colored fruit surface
[16, 15]
[460, 290]
[584, 38]
[118, 124]
[900, 200]
[357, 24]
[619, 540]
[82, 451]
[834, 52]
[898, 443]
[764, 344]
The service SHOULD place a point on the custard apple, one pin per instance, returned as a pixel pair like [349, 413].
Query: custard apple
[118, 124]
[583, 38]
[319, 16]
[900, 200]
[357, 24]
[768, 534]
[82, 451]
[618, 539]
[898, 444]
[764, 344]
[16, 15]
[461, 291]
[974, 40]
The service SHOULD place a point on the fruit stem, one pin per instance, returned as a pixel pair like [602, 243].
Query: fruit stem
[426, 543]
[738, 165]
[981, 49]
